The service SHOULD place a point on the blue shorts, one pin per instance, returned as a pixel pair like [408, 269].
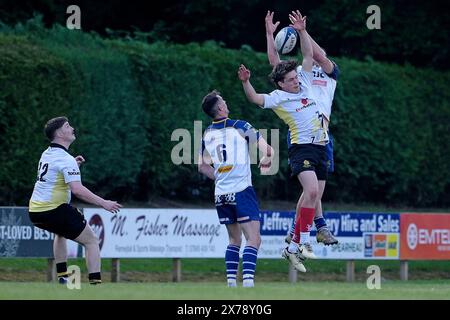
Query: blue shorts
[238, 207]
[329, 148]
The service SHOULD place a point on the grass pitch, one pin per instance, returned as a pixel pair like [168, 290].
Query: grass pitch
[204, 279]
[218, 291]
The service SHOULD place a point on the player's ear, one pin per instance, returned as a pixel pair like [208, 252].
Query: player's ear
[280, 83]
[58, 132]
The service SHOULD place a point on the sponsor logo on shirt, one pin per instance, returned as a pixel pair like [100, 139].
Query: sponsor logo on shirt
[306, 103]
[248, 126]
[225, 169]
[321, 83]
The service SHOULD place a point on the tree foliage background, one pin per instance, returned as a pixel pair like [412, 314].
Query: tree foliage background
[412, 31]
[136, 73]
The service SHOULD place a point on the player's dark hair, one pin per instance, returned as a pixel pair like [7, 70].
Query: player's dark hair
[209, 103]
[52, 125]
[281, 69]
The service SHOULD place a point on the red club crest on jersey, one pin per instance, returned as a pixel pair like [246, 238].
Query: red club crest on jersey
[304, 101]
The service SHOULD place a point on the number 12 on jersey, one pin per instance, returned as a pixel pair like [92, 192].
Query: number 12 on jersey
[42, 171]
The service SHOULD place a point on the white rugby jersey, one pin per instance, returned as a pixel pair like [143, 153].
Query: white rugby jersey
[227, 142]
[323, 87]
[56, 169]
[300, 111]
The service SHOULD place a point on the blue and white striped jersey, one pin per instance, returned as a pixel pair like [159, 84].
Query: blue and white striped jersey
[227, 142]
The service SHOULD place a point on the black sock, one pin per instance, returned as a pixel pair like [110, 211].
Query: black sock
[61, 270]
[95, 278]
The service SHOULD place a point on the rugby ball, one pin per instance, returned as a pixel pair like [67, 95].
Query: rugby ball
[286, 40]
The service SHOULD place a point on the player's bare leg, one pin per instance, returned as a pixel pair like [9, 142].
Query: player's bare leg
[300, 246]
[323, 233]
[60, 253]
[90, 242]
[297, 210]
[309, 182]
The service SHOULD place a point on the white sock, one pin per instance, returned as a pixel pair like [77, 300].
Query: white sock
[293, 247]
[248, 283]
[231, 283]
[304, 237]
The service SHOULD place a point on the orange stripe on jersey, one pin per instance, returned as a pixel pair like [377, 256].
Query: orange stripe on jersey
[225, 169]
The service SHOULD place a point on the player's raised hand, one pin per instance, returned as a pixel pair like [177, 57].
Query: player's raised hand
[111, 206]
[270, 26]
[243, 73]
[80, 160]
[264, 164]
[297, 21]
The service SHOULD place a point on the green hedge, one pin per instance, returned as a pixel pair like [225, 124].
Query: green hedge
[126, 97]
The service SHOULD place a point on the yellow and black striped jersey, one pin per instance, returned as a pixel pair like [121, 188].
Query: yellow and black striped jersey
[56, 169]
[300, 111]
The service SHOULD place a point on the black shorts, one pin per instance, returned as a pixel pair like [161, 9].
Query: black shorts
[65, 221]
[308, 157]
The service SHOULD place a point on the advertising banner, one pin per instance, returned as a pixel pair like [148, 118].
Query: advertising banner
[19, 238]
[159, 233]
[361, 235]
[196, 233]
[425, 236]
[274, 227]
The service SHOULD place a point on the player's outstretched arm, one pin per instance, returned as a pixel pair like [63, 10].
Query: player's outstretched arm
[319, 54]
[320, 57]
[204, 166]
[250, 93]
[272, 53]
[85, 194]
[299, 24]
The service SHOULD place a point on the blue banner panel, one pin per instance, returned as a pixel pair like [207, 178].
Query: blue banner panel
[276, 223]
[19, 238]
[361, 235]
[355, 224]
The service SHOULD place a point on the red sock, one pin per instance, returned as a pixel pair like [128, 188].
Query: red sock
[303, 223]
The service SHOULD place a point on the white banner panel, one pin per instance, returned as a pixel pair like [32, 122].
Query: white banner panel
[196, 233]
[271, 247]
[159, 233]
